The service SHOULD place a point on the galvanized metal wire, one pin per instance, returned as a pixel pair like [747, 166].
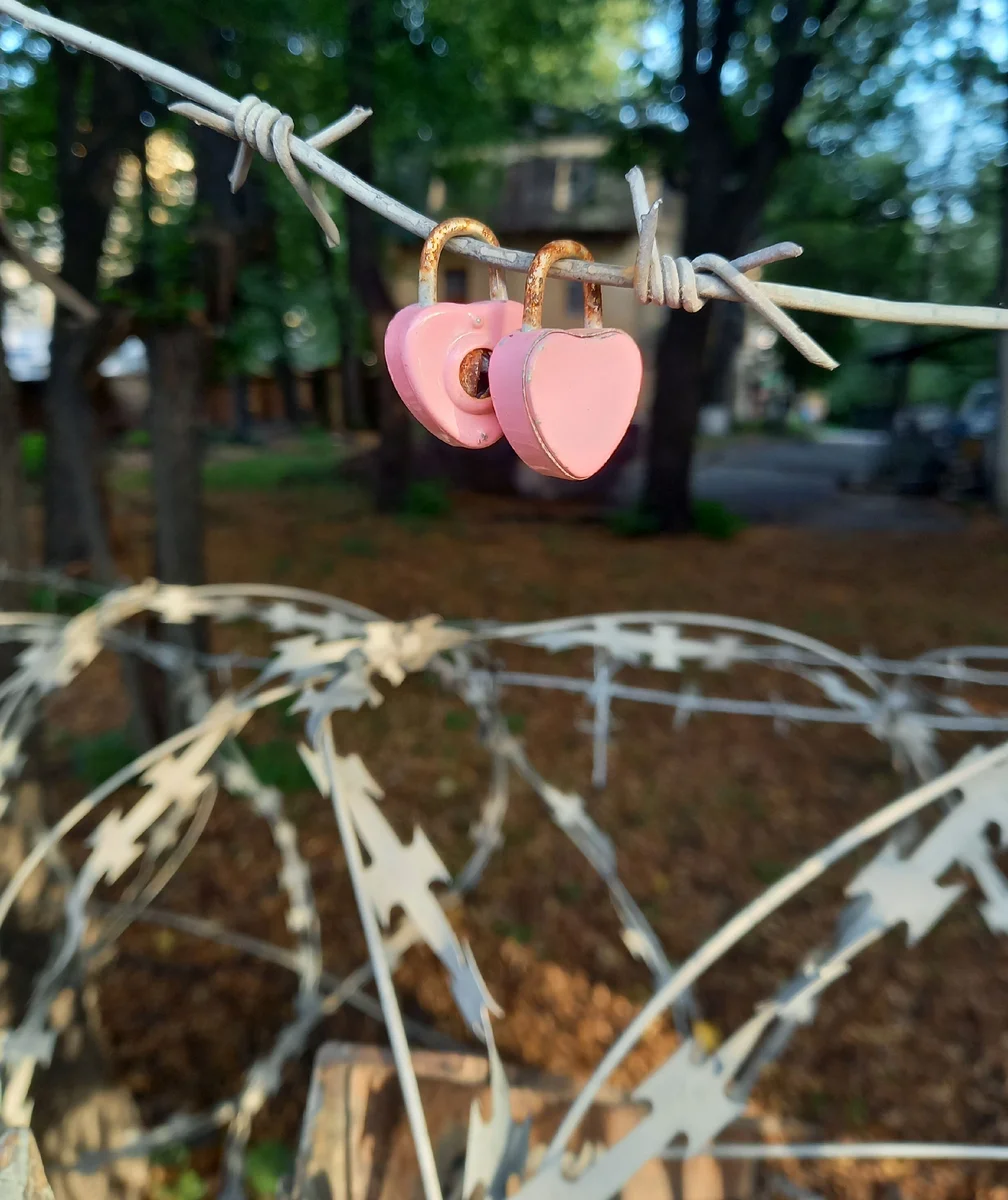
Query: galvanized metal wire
[327, 657]
[655, 277]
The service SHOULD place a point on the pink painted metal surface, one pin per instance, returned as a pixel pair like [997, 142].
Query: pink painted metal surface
[429, 352]
[438, 354]
[564, 398]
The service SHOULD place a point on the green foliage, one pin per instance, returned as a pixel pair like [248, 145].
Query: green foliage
[273, 469]
[315, 465]
[768, 871]
[633, 523]
[173, 1157]
[266, 1165]
[68, 603]
[137, 439]
[33, 456]
[187, 1185]
[359, 545]
[427, 498]
[279, 765]
[711, 519]
[98, 758]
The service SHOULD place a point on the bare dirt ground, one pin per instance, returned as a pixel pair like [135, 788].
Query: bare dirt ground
[912, 1045]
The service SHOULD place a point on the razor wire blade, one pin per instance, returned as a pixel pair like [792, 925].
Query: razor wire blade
[329, 657]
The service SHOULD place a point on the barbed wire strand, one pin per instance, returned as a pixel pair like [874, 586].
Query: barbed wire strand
[218, 110]
[923, 1151]
[586, 631]
[757, 911]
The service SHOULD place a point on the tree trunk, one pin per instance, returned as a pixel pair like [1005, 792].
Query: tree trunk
[320, 398]
[74, 525]
[176, 354]
[696, 351]
[287, 383]
[242, 414]
[1001, 456]
[366, 281]
[679, 387]
[13, 541]
[351, 376]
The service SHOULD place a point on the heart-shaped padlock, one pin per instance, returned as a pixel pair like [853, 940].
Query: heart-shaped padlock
[564, 398]
[438, 353]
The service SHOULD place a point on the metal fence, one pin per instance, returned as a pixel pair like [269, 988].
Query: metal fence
[330, 657]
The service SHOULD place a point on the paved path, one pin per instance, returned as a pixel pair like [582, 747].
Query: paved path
[816, 484]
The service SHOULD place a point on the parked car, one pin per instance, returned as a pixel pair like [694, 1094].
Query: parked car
[917, 458]
[974, 433]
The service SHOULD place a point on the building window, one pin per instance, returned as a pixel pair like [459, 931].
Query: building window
[575, 299]
[583, 184]
[455, 285]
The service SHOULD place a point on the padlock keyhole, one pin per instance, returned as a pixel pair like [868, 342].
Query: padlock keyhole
[474, 374]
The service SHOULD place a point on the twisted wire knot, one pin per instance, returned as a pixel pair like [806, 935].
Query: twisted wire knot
[263, 127]
[662, 279]
[677, 285]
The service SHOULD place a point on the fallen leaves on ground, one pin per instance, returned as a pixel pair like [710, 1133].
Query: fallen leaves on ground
[913, 1044]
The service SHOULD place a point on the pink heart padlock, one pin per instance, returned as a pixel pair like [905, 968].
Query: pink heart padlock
[564, 398]
[438, 353]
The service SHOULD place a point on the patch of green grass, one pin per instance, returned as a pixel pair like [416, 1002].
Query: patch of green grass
[359, 545]
[711, 519]
[266, 1165]
[816, 1107]
[740, 797]
[633, 523]
[55, 600]
[186, 1186]
[427, 498]
[137, 439]
[279, 765]
[857, 1111]
[173, 1157]
[540, 594]
[33, 456]
[828, 625]
[289, 719]
[98, 758]
[260, 471]
[516, 723]
[569, 893]
[269, 470]
[518, 930]
[768, 871]
[458, 720]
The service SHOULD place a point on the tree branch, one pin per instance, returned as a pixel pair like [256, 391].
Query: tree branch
[63, 292]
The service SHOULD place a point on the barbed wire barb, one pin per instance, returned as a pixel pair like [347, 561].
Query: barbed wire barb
[222, 107]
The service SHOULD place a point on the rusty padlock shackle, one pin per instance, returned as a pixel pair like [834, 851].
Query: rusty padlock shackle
[436, 241]
[535, 284]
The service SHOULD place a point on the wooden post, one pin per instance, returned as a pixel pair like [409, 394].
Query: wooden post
[355, 1140]
[22, 1176]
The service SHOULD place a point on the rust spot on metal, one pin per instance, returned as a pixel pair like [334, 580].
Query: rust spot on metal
[535, 283]
[8, 1148]
[436, 241]
[474, 373]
